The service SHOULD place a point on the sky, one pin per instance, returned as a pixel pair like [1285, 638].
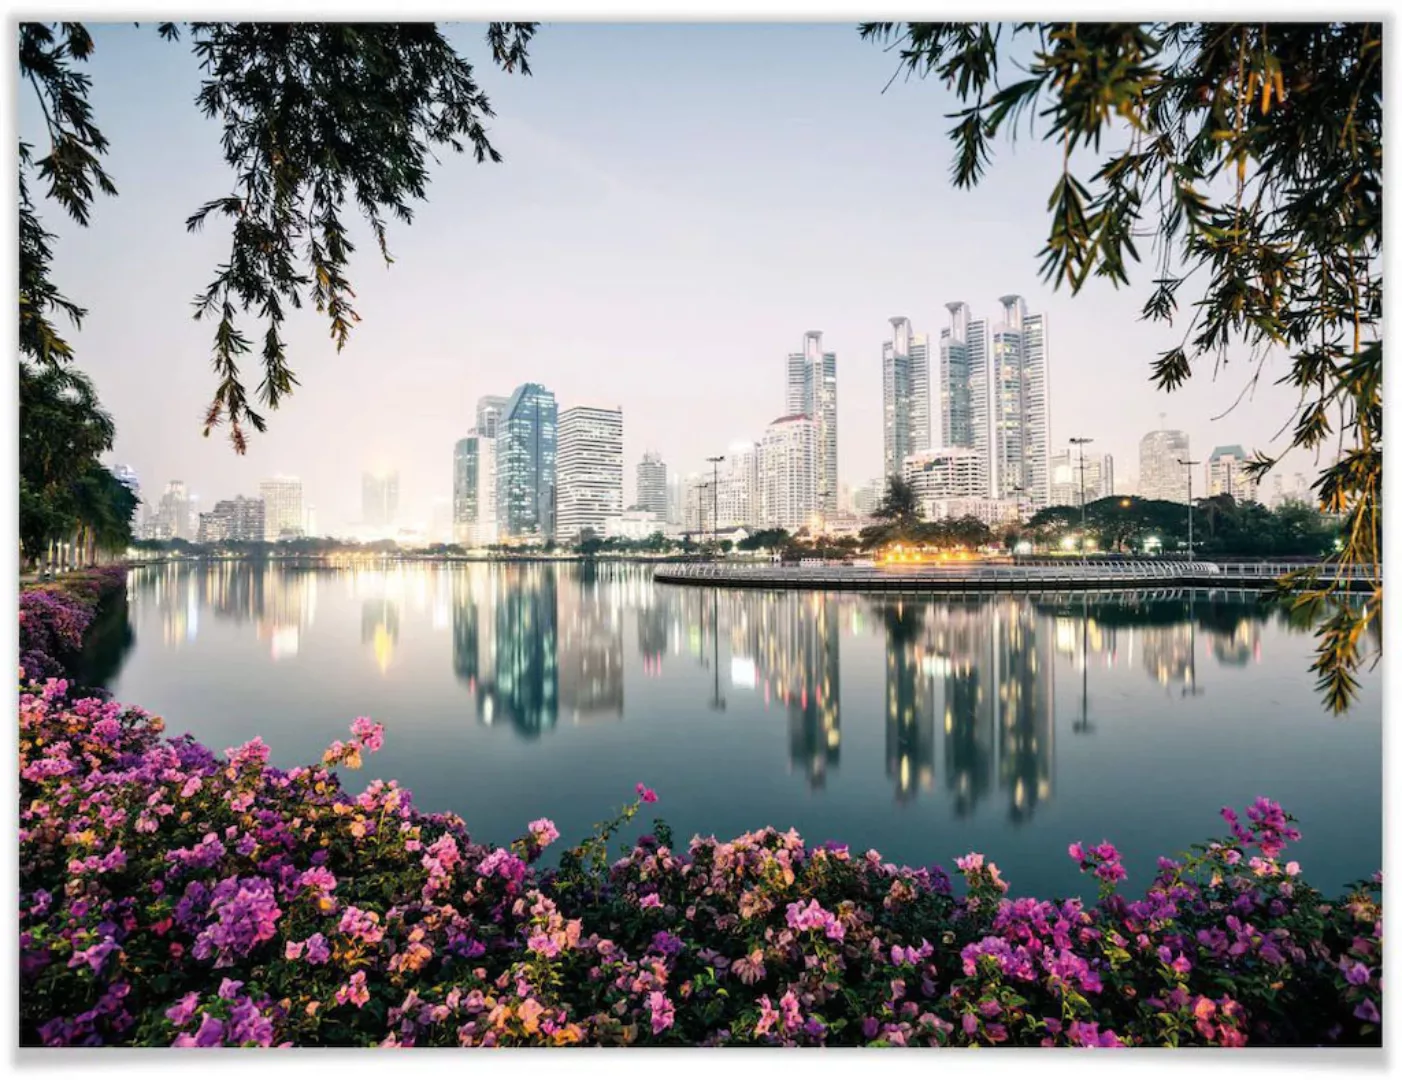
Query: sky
[678, 204]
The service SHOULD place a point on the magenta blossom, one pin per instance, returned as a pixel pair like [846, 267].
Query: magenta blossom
[646, 794]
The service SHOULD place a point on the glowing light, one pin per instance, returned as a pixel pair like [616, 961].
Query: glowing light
[1068, 543]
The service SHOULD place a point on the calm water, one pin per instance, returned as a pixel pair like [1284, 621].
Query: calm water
[924, 728]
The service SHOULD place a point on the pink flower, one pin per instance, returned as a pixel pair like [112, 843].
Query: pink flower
[354, 991]
[646, 794]
[651, 900]
[663, 1012]
[543, 832]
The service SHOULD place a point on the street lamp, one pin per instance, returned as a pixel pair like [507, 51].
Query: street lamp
[1189, 466]
[1080, 444]
[715, 495]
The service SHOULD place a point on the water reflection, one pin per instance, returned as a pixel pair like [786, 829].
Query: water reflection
[969, 686]
[923, 727]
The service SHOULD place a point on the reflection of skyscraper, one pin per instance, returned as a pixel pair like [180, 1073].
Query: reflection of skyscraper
[591, 648]
[379, 628]
[910, 719]
[958, 655]
[1025, 704]
[527, 676]
[1167, 652]
[815, 729]
[474, 635]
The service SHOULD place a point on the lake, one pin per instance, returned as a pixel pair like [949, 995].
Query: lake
[923, 727]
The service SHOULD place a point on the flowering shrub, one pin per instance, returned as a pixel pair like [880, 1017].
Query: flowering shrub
[53, 618]
[171, 896]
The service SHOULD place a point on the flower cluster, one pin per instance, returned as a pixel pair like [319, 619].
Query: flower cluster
[170, 896]
[54, 617]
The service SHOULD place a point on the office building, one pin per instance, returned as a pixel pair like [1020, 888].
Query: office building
[812, 392]
[652, 484]
[526, 444]
[173, 519]
[905, 395]
[1161, 476]
[474, 491]
[379, 499]
[698, 506]
[589, 471]
[788, 473]
[282, 508]
[1226, 474]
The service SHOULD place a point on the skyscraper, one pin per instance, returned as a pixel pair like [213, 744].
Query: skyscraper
[788, 473]
[905, 395]
[490, 410]
[474, 491]
[379, 499]
[652, 484]
[1226, 474]
[589, 471]
[963, 383]
[526, 439]
[232, 519]
[173, 517]
[1160, 474]
[812, 392]
[282, 507]
[1018, 407]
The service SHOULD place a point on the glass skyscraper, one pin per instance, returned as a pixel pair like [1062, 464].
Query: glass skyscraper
[905, 386]
[526, 441]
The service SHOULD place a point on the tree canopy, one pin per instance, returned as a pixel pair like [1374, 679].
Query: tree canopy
[1249, 157]
[314, 116]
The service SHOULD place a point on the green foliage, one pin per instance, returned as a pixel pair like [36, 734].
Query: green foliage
[1250, 156]
[314, 115]
[898, 505]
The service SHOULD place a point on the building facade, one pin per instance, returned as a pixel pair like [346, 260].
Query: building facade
[737, 486]
[1226, 474]
[812, 392]
[1019, 432]
[963, 384]
[526, 449]
[1161, 474]
[282, 508]
[905, 395]
[379, 499]
[589, 471]
[652, 484]
[236, 519]
[951, 472]
[788, 472]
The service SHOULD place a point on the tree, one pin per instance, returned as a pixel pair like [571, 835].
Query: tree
[898, 506]
[1250, 156]
[313, 115]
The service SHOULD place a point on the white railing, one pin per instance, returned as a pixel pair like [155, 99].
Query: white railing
[1131, 573]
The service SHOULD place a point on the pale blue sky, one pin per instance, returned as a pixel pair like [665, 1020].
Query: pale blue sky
[678, 205]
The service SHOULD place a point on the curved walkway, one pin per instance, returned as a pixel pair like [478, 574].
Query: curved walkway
[1129, 575]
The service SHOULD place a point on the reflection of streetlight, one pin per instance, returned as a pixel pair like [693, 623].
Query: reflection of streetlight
[717, 702]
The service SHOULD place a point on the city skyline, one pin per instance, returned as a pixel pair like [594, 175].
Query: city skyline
[741, 263]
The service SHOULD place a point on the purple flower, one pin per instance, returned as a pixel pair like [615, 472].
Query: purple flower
[1356, 973]
[667, 944]
[317, 950]
[1367, 1012]
[183, 1009]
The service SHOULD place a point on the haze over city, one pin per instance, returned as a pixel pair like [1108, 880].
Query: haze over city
[677, 206]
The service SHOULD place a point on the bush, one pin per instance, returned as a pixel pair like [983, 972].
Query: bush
[170, 896]
[54, 618]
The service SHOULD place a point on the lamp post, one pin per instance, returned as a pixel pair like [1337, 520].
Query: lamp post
[1080, 445]
[1189, 466]
[715, 495]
